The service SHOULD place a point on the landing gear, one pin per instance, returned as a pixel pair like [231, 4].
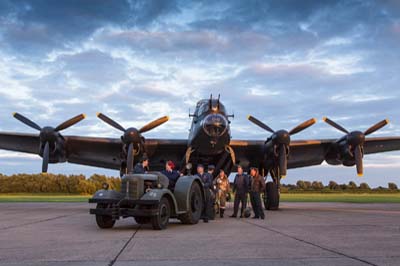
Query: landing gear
[272, 191]
[271, 198]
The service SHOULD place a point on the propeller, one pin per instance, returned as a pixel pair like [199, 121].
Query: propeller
[356, 140]
[48, 135]
[132, 136]
[281, 139]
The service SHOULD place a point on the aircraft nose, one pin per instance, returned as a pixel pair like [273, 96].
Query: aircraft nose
[215, 125]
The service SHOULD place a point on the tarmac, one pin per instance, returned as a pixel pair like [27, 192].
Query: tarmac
[298, 234]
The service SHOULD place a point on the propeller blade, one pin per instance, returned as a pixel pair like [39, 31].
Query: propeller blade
[259, 123]
[282, 161]
[129, 161]
[154, 124]
[303, 126]
[335, 125]
[70, 122]
[110, 121]
[45, 162]
[26, 121]
[359, 161]
[376, 127]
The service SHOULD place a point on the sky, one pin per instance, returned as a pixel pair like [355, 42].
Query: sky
[280, 61]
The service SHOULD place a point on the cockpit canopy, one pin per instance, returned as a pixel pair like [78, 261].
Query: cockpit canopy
[209, 105]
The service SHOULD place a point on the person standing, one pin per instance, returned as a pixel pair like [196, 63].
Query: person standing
[223, 189]
[172, 174]
[256, 188]
[210, 170]
[240, 188]
[206, 178]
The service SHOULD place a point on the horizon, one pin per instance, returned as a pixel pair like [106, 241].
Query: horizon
[282, 62]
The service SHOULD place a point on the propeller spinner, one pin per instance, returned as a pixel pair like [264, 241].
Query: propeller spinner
[48, 135]
[281, 140]
[356, 140]
[132, 136]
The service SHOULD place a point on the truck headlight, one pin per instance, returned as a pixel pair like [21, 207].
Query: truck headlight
[105, 186]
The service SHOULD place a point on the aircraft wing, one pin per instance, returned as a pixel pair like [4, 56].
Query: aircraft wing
[98, 152]
[28, 143]
[381, 144]
[302, 152]
[306, 152]
[106, 152]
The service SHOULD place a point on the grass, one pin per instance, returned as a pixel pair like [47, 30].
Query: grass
[342, 197]
[43, 197]
[285, 197]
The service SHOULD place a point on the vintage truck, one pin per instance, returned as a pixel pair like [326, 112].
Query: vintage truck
[147, 199]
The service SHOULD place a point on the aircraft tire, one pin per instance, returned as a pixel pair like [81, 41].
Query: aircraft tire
[272, 196]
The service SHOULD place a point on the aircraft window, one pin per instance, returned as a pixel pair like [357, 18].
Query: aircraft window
[204, 108]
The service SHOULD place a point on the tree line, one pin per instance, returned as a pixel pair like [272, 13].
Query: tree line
[79, 184]
[50, 183]
[332, 186]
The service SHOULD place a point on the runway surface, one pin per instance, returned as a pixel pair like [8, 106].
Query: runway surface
[298, 234]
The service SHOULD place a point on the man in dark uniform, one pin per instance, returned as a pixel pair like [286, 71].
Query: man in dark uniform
[142, 167]
[207, 184]
[210, 170]
[240, 188]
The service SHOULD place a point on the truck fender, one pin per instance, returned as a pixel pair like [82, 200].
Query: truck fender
[182, 191]
[103, 194]
[157, 194]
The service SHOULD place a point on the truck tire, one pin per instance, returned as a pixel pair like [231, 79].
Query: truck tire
[196, 201]
[272, 196]
[142, 220]
[104, 221]
[160, 221]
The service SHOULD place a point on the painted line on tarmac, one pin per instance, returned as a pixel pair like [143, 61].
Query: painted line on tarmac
[311, 243]
[113, 261]
[33, 222]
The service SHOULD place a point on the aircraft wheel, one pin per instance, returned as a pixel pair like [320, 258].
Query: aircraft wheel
[271, 199]
[104, 221]
[192, 216]
[161, 221]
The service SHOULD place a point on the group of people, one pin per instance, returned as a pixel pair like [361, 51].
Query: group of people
[253, 185]
[217, 190]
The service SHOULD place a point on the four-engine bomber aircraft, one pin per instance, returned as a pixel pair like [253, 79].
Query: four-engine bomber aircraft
[209, 142]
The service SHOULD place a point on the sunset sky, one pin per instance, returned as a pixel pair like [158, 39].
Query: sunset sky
[281, 61]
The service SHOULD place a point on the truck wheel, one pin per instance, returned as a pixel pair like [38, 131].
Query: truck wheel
[272, 196]
[142, 220]
[104, 221]
[160, 221]
[192, 216]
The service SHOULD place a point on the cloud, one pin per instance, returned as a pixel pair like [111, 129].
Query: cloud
[283, 62]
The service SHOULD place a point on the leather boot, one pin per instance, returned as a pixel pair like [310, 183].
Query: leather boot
[221, 213]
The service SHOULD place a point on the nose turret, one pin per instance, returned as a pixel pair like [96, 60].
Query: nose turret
[215, 125]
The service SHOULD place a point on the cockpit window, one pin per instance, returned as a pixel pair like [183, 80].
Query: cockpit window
[204, 106]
